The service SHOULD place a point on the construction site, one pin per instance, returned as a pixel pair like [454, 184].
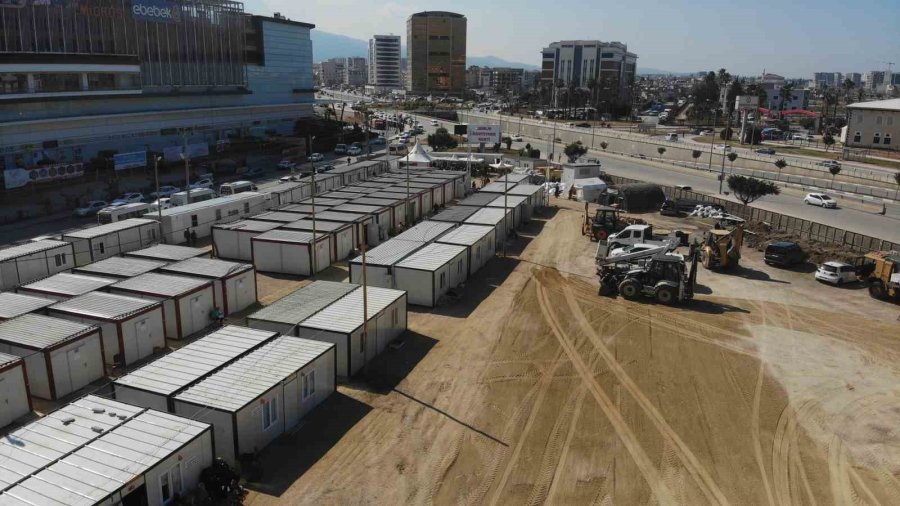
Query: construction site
[758, 385]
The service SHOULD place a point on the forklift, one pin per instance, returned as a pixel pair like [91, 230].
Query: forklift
[606, 221]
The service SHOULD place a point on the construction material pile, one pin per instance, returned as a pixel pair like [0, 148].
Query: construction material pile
[715, 212]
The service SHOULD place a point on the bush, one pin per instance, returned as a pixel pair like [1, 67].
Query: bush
[726, 134]
[574, 151]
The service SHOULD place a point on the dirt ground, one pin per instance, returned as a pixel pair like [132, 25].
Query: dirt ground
[769, 389]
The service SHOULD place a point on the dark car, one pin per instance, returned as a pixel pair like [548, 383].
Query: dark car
[583, 125]
[784, 253]
[766, 151]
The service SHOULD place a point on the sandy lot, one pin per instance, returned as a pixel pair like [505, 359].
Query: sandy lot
[767, 389]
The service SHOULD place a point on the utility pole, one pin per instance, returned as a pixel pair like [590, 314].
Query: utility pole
[309, 143]
[156, 159]
[187, 165]
[727, 128]
[712, 140]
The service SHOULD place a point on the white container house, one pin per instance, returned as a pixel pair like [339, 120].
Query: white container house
[361, 223]
[429, 273]
[232, 240]
[64, 286]
[200, 217]
[187, 302]
[383, 216]
[411, 202]
[288, 193]
[169, 253]
[324, 182]
[61, 356]
[448, 190]
[119, 267]
[280, 217]
[98, 451]
[96, 243]
[436, 189]
[286, 313]
[479, 199]
[341, 235]
[291, 252]
[478, 241]
[519, 205]
[34, 260]
[425, 231]
[15, 304]
[131, 328]
[234, 284]
[14, 395]
[262, 395]
[494, 217]
[537, 195]
[455, 214]
[397, 205]
[380, 262]
[342, 323]
[155, 385]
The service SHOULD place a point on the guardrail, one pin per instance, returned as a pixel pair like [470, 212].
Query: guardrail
[804, 229]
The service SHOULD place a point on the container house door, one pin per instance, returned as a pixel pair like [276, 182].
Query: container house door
[199, 314]
[143, 338]
[79, 370]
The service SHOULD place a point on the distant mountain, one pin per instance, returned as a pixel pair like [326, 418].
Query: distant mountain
[332, 45]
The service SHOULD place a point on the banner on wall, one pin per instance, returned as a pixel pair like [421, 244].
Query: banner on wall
[132, 160]
[173, 153]
[17, 178]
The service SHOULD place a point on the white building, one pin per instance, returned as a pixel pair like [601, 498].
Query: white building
[581, 62]
[119, 267]
[232, 240]
[113, 239]
[518, 204]
[342, 323]
[234, 284]
[493, 216]
[478, 241]
[14, 304]
[155, 385]
[64, 286]
[98, 451]
[13, 394]
[131, 328]
[425, 231]
[61, 356]
[169, 253]
[384, 64]
[537, 195]
[873, 124]
[380, 262]
[341, 235]
[199, 217]
[291, 252]
[286, 313]
[187, 302]
[34, 260]
[431, 272]
[361, 223]
[264, 394]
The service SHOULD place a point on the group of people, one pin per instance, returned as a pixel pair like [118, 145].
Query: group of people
[190, 237]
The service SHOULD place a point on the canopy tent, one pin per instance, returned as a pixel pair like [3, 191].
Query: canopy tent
[458, 158]
[502, 166]
[417, 157]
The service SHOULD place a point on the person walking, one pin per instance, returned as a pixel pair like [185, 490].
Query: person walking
[187, 236]
[193, 238]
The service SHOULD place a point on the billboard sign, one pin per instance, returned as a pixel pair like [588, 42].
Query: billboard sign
[173, 153]
[17, 178]
[484, 134]
[746, 102]
[132, 160]
[155, 11]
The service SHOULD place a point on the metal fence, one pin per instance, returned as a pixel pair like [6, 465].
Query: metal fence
[804, 229]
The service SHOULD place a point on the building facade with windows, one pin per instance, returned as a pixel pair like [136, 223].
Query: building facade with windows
[332, 72]
[384, 64]
[608, 67]
[827, 79]
[80, 77]
[356, 71]
[436, 52]
[873, 124]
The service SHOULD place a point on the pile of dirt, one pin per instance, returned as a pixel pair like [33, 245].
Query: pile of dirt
[758, 235]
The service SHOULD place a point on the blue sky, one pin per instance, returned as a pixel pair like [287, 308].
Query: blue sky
[789, 38]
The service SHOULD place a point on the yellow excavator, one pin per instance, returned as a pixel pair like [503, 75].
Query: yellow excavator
[722, 247]
[881, 272]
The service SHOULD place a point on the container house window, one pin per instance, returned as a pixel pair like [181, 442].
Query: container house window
[171, 484]
[193, 220]
[394, 317]
[246, 207]
[857, 137]
[269, 413]
[102, 248]
[887, 139]
[218, 214]
[60, 259]
[309, 384]
[443, 278]
[877, 138]
[878, 120]
[362, 342]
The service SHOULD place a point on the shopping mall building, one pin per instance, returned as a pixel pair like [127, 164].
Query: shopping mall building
[81, 76]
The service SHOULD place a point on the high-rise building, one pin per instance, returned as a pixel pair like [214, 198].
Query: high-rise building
[856, 77]
[531, 80]
[827, 79]
[607, 67]
[355, 71]
[436, 52]
[332, 72]
[384, 63]
[874, 79]
[506, 80]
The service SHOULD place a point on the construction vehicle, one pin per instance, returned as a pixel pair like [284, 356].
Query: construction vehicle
[882, 274]
[722, 248]
[605, 221]
[656, 273]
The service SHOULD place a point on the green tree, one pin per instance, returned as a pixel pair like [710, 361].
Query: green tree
[508, 141]
[785, 92]
[726, 133]
[750, 189]
[574, 150]
[604, 145]
[753, 135]
[696, 153]
[835, 170]
[731, 158]
[897, 179]
[828, 141]
[441, 140]
[848, 86]
[780, 163]
[661, 150]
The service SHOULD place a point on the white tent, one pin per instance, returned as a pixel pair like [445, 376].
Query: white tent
[417, 157]
[502, 166]
[589, 189]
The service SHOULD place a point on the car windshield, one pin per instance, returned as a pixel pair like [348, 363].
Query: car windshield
[829, 268]
[824, 197]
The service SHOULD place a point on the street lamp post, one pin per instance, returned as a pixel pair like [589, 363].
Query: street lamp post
[712, 140]
[312, 193]
[156, 159]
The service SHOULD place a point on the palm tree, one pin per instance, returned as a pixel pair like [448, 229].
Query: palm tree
[847, 86]
[731, 158]
[592, 85]
[786, 91]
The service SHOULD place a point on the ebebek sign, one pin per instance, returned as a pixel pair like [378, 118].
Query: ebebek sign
[157, 11]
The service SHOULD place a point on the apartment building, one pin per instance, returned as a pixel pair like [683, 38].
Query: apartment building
[436, 52]
[384, 64]
[606, 66]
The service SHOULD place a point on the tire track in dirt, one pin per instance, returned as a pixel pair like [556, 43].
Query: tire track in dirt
[755, 431]
[785, 454]
[553, 451]
[643, 462]
[570, 435]
[703, 478]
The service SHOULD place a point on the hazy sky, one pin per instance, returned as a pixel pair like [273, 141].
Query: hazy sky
[789, 38]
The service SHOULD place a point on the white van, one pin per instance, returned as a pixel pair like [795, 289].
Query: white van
[123, 212]
[397, 149]
[672, 137]
[197, 195]
[236, 187]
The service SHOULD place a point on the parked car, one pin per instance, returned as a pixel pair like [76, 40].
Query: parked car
[784, 254]
[707, 133]
[837, 273]
[164, 203]
[286, 165]
[354, 151]
[324, 168]
[316, 157]
[165, 191]
[92, 208]
[340, 149]
[435, 122]
[517, 138]
[583, 125]
[820, 199]
[723, 147]
[290, 179]
[202, 183]
[379, 141]
[765, 151]
[128, 198]
[829, 164]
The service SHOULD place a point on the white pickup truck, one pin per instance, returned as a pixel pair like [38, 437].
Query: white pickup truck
[634, 234]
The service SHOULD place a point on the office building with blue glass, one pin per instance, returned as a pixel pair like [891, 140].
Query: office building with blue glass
[81, 76]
